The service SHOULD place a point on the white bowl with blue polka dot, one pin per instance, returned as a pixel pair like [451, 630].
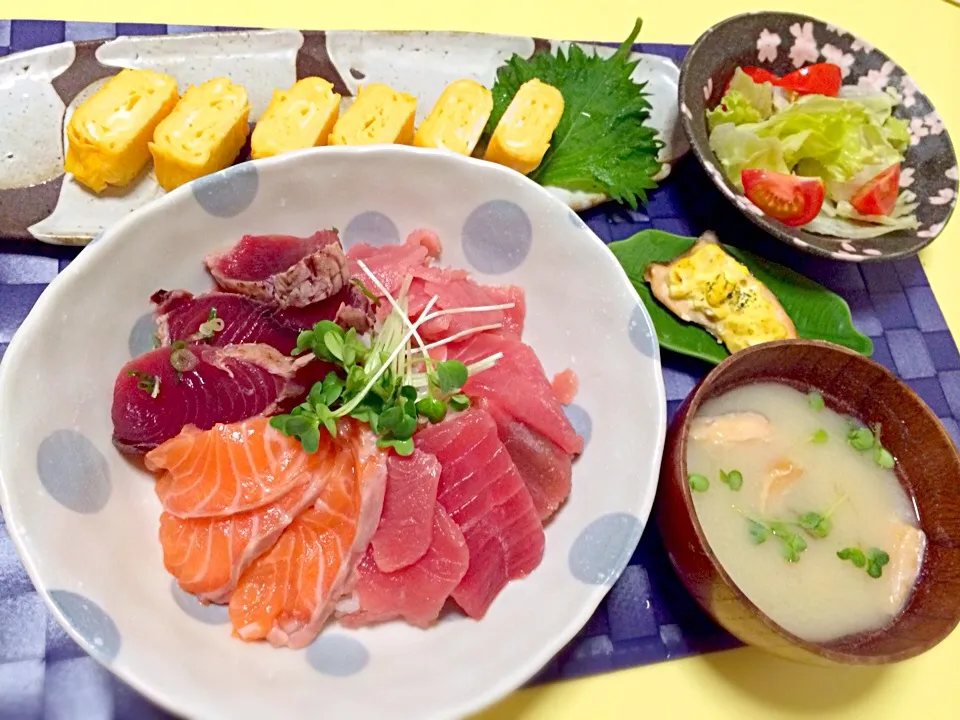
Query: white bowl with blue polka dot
[85, 519]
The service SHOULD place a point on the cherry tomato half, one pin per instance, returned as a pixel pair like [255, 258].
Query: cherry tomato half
[760, 75]
[792, 200]
[878, 195]
[819, 79]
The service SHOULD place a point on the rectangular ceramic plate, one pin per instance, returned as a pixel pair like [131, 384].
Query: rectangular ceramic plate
[39, 89]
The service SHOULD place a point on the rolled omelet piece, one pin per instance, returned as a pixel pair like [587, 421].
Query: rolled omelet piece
[522, 137]
[300, 117]
[708, 287]
[203, 134]
[109, 133]
[457, 119]
[379, 114]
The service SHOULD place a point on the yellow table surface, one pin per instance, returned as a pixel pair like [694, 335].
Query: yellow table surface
[924, 37]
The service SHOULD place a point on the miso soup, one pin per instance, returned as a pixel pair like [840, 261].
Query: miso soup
[803, 508]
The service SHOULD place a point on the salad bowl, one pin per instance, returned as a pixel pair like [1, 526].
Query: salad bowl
[85, 519]
[774, 44]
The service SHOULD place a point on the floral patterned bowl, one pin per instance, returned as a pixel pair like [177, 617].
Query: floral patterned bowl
[781, 42]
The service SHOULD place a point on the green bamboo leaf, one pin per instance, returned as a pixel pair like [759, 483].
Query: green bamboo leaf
[817, 313]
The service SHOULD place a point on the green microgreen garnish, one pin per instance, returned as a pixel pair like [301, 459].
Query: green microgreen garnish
[819, 437]
[860, 438]
[863, 439]
[732, 479]
[375, 381]
[150, 384]
[698, 482]
[815, 524]
[815, 400]
[873, 560]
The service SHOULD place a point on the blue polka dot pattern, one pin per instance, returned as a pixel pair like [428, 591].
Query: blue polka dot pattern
[92, 624]
[208, 614]
[141, 335]
[641, 331]
[497, 237]
[371, 227]
[603, 549]
[580, 419]
[337, 655]
[229, 192]
[74, 471]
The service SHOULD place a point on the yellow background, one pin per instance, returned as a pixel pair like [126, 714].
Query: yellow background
[924, 37]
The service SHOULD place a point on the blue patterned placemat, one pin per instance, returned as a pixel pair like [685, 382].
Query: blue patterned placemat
[647, 617]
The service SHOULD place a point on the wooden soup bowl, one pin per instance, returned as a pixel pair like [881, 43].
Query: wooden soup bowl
[928, 467]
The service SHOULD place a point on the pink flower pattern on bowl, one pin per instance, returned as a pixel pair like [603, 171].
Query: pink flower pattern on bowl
[839, 58]
[767, 46]
[804, 48]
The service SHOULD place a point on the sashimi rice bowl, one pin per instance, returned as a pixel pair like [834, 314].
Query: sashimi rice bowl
[375, 428]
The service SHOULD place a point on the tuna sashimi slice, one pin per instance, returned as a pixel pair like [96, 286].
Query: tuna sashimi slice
[406, 524]
[484, 494]
[416, 593]
[391, 263]
[282, 269]
[545, 468]
[348, 308]
[208, 555]
[288, 594]
[153, 401]
[231, 468]
[245, 320]
[518, 385]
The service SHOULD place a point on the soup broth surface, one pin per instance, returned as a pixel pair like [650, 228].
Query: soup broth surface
[798, 463]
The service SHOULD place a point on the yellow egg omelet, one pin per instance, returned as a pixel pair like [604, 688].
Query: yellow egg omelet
[522, 137]
[380, 114]
[300, 117]
[708, 287]
[204, 133]
[457, 119]
[109, 133]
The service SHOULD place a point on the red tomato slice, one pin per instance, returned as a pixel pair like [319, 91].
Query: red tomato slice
[878, 195]
[757, 74]
[760, 75]
[820, 79]
[792, 200]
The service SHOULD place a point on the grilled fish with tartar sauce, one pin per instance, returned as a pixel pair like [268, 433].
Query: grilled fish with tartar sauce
[708, 287]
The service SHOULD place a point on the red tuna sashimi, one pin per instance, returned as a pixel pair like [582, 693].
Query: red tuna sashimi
[230, 468]
[245, 320]
[406, 523]
[416, 593]
[282, 269]
[208, 555]
[454, 289]
[518, 385]
[546, 469]
[484, 494]
[288, 594]
[153, 402]
[390, 263]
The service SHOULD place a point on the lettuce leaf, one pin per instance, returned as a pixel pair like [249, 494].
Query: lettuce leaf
[739, 146]
[841, 219]
[745, 101]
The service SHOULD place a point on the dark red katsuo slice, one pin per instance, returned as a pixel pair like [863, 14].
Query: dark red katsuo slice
[284, 270]
[220, 319]
[158, 393]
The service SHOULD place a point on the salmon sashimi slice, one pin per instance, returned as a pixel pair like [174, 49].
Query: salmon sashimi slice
[416, 593]
[229, 468]
[208, 555]
[287, 595]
